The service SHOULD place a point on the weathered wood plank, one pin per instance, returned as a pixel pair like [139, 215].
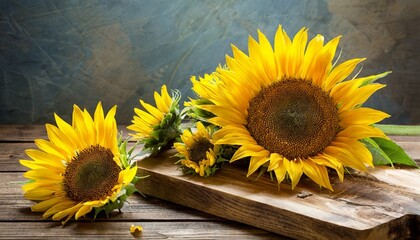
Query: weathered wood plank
[11, 153]
[121, 230]
[21, 132]
[360, 208]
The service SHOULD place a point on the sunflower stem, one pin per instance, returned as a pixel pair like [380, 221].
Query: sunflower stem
[403, 130]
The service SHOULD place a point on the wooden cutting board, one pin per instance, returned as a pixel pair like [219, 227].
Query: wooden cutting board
[381, 204]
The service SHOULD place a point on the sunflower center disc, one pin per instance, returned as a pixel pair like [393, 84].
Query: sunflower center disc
[198, 151]
[91, 175]
[293, 118]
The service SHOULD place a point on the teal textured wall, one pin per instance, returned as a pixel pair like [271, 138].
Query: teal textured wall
[58, 53]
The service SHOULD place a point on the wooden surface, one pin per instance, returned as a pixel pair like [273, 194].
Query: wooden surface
[163, 219]
[381, 204]
[160, 219]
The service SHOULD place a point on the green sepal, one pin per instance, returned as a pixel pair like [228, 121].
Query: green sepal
[127, 157]
[130, 189]
[156, 134]
[373, 78]
[123, 154]
[196, 113]
[385, 151]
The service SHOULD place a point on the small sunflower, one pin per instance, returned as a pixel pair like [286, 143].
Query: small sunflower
[197, 153]
[79, 168]
[288, 108]
[159, 126]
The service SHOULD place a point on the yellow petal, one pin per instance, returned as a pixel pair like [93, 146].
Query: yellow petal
[69, 212]
[129, 175]
[358, 96]
[163, 102]
[59, 207]
[47, 204]
[152, 110]
[231, 115]
[361, 116]
[49, 147]
[97, 203]
[41, 173]
[42, 194]
[282, 44]
[317, 173]
[46, 159]
[341, 72]
[361, 131]
[330, 161]
[148, 118]
[313, 48]
[297, 52]
[294, 169]
[280, 171]
[236, 140]
[165, 95]
[249, 151]
[256, 58]
[255, 163]
[275, 160]
[345, 156]
[85, 209]
[68, 130]
[322, 63]
[99, 123]
[44, 183]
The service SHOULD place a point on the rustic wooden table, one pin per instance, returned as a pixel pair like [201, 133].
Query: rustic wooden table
[160, 219]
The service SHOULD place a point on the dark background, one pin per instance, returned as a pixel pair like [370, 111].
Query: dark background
[58, 53]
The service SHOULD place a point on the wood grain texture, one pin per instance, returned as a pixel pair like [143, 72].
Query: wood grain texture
[163, 219]
[22, 133]
[381, 204]
[121, 230]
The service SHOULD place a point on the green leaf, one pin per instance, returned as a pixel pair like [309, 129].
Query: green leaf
[395, 152]
[378, 155]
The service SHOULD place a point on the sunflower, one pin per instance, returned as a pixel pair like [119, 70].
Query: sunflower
[159, 126]
[78, 168]
[290, 109]
[197, 154]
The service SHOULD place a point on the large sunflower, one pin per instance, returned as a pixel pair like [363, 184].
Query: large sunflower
[79, 168]
[197, 154]
[159, 126]
[290, 109]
